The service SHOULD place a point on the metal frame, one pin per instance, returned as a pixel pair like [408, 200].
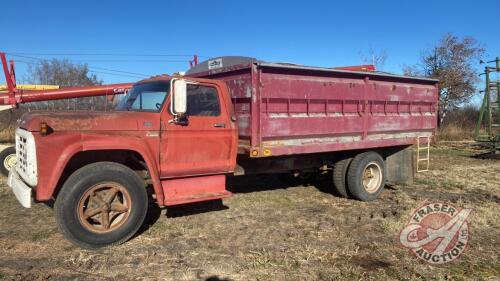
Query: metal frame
[488, 120]
[425, 148]
[16, 96]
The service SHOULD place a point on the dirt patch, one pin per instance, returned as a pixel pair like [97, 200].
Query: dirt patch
[271, 231]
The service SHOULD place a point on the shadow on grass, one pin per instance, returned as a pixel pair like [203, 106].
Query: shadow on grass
[195, 208]
[217, 278]
[266, 182]
[239, 184]
[155, 212]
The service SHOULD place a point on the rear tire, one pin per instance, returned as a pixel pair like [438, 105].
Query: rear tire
[339, 176]
[101, 204]
[366, 176]
[8, 160]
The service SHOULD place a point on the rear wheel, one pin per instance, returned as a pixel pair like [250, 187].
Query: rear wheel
[101, 204]
[366, 176]
[339, 176]
[8, 160]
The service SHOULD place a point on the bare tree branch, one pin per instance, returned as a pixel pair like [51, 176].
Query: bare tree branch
[375, 57]
[65, 74]
[452, 63]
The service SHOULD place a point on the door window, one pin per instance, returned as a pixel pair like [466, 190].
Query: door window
[202, 101]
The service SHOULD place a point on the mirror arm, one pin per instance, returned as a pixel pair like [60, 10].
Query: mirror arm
[179, 120]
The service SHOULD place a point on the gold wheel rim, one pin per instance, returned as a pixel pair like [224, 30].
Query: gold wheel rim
[104, 207]
[10, 161]
[372, 177]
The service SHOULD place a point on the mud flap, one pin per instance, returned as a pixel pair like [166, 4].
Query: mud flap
[399, 167]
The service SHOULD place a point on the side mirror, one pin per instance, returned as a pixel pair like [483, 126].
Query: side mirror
[179, 97]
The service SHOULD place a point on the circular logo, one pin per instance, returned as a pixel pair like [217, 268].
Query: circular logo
[437, 232]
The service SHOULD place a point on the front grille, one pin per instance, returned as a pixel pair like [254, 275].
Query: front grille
[22, 154]
[26, 165]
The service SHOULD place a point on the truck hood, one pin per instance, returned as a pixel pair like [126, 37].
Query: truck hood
[91, 121]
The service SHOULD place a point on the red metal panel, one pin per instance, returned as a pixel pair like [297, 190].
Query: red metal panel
[74, 133]
[366, 67]
[314, 147]
[76, 92]
[293, 107]
[194, 189]
[201, 147]
[255, 108]
[240, 90]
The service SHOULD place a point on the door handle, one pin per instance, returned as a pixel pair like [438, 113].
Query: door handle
[220, 125]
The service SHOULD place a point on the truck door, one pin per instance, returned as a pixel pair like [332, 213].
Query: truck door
[207, 144]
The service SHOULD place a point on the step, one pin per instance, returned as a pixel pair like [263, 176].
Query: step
[194, 189]
[197, 198]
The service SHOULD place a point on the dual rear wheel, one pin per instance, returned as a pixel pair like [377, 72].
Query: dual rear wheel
[361, 177]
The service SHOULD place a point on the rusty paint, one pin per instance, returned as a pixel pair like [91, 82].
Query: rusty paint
[211, 149]
[280, 111]
[194, 189]
[290, 103]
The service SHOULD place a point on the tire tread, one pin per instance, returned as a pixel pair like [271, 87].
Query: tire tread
[354, 173]
[65, 196]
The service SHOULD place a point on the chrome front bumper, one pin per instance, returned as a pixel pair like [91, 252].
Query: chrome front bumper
[21, 190]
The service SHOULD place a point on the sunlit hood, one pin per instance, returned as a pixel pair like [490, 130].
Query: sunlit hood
[91, 121]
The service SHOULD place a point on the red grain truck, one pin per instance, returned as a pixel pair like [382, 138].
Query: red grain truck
[182, 135]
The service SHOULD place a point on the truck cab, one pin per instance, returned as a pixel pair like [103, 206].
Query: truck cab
[176, 135]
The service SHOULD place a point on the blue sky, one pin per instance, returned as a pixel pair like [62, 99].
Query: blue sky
[319, 33]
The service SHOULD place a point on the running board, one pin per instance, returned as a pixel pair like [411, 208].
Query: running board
[194, 189]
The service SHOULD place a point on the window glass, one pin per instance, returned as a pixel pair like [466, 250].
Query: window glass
[148, 101]
[145, 97]
[202, 101]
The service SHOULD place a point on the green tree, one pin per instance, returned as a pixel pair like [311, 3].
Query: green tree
[452, 62]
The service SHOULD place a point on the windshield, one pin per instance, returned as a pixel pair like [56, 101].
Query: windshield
[145, 97]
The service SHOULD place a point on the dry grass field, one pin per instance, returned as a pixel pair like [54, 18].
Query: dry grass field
[271, 231]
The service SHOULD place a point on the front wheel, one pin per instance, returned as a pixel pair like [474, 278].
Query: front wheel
[366, 176]
[101, 204]
[8, 160]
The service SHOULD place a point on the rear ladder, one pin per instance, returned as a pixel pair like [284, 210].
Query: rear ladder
[426, 151]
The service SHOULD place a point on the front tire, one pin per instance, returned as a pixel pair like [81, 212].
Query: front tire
[8, 160]
[101, 204]
[366, 176]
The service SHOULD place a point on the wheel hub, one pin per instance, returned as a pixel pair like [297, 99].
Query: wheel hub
[372, 177]
[104, 207]
[9, 162]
